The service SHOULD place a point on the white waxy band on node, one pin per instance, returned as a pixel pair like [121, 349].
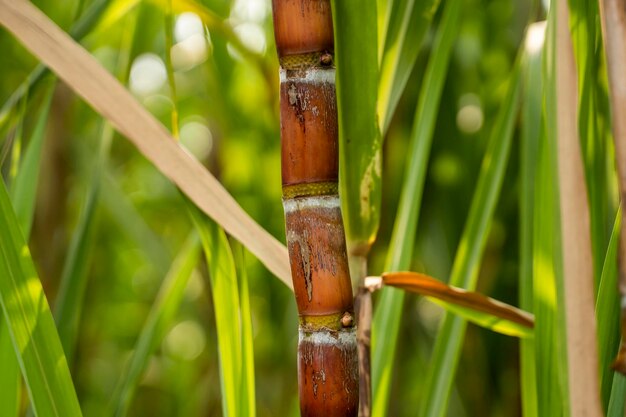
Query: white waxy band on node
[314, 201]
[328, 338]
[310, 76]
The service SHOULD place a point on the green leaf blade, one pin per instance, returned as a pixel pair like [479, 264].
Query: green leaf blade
[608, 313]
[10, 382]
[69, 303]
[360, 161]
[409, 21]
[618, 389]
[488, 321]
[530, 131]
[550, 343]
[231, 318]
[24, 189]
[247, 376]
[31, 325]
[388, 312]
[161, 314]
[467, 261]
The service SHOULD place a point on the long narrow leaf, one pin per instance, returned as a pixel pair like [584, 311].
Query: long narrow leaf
[10, 376]
[607, 314]
[469, 253]
[16, 142]
[360, 143]
[24, 189]
[531, 130]
[30, 323]
[360, 150]
[86, 76]
[408, 23]
[23, 192]
[472, 306]
[247, 373]
[550, 344]
[388, 312]
[545, 243]
[225, 294]
[618, 396]
[383, 13]
[161, 315]
[68, 307]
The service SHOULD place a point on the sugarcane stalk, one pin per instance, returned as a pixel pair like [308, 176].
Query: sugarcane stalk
[613, 18]
[327, 348]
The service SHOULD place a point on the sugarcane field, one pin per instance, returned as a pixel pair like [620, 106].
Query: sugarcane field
[312, 208]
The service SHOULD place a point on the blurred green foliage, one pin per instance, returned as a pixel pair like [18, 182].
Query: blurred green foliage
[228, 115]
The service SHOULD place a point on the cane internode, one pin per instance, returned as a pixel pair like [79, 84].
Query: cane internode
[317, 251]
[327, 354]
[302, 26]
[308, 126]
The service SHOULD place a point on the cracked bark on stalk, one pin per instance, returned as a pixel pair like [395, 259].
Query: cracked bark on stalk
[613, 18]
[327, 348]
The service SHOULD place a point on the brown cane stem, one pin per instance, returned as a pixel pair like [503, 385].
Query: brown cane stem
[327, 348]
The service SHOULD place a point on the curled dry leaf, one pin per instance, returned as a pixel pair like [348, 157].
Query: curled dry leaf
[431, 287]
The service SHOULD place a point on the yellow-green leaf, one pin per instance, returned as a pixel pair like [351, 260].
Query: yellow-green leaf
[30, 323]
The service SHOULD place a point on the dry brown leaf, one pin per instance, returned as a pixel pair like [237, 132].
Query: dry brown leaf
[83, 74]
[582, 352]
[431, 287]
[613, 17]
